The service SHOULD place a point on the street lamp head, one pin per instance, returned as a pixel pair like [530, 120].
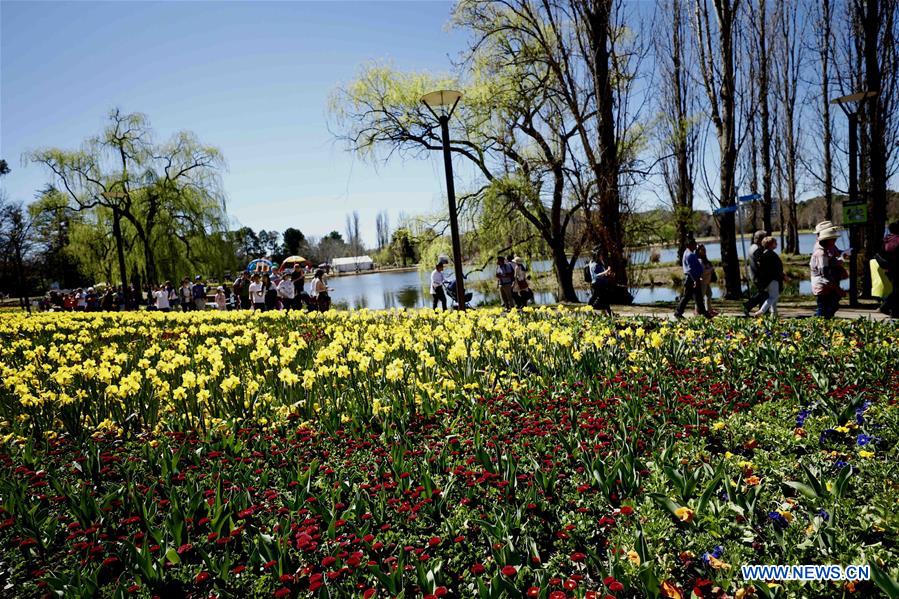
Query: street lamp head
[442, 102]
[854, 97]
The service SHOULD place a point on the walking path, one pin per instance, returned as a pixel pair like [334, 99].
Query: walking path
[785, 311]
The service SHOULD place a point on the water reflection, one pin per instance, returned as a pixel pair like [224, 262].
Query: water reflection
[384, 290]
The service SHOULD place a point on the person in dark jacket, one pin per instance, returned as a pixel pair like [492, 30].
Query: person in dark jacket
[693, 271]
[752, 262]
[770, 276]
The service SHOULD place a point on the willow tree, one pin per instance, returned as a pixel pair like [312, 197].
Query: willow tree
[123, 171]
[506, 127]
[716, 27]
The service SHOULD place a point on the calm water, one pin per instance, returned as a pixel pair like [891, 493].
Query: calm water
[382, 290]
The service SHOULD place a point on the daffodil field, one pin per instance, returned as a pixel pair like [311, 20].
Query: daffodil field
[544, 453]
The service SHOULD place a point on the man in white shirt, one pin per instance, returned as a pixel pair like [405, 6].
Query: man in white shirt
[162, 299]
[257, 295]
[437, 293]
[286, 292]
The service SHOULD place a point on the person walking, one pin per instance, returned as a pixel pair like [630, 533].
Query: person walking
[257, 293]
[241, 289]
[198, 294]
[770, 276]
[826, 273]
[80, 300]
[600, 277]
[437, 292]
[270, 294]
[505, 276]
[221, 300]
[521, 289]
[186, 295]
[161, 297]
[708, 277]
[286, 292]
[320, 291]
[693, 270]
[752, 263]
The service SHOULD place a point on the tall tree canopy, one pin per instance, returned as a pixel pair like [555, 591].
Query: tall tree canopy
[162, 199]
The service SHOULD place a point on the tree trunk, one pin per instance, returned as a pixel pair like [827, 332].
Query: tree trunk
[877, 154]
[564, 271]
[763, 80]
[728, 146]
[119, 243]
[824, 54]
[606, 168]
[20, 276]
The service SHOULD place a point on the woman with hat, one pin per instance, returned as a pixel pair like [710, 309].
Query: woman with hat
[827, 271]
[521, 291]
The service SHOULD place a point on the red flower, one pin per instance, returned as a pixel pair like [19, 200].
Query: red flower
[238, 569]
[369, 593]
[441, 591]
[616, 586]
[109, 561]
[434, 541]
[578, 557]
[478, 569]
[509, 571]
[201, 577]
[329, 561]
[534, 592]
[627, 510]
[282, 592]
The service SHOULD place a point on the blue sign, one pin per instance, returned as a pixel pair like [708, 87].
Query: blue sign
[750, 197]
[724, 210]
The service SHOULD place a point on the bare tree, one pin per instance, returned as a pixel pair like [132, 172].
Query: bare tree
[824, 43]
[760, 57]
[677, 106]
[879, 20]
[16, 243]
[788, 58]
[354, 243]
[382, 226]
[717, 47]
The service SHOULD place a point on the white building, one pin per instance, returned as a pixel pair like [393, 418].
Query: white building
[352, 264]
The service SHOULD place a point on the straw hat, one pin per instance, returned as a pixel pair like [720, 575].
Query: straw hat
[829, 233]
[824, 224]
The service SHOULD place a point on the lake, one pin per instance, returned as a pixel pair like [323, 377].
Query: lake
[409, 289]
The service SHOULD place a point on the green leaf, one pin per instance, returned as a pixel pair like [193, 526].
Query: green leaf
[172, 555]
[884, 581]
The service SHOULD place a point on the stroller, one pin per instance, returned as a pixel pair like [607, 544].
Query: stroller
[451, 293]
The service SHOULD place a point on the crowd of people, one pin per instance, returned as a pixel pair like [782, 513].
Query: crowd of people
[257, 291]
[512, 279]
[827, 267]
[286, 290]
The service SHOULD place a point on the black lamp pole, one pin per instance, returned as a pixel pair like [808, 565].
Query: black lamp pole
[852, 115]
[853, 199]
[454, 220]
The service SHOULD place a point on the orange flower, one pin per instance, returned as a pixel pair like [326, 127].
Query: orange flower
[753, 480]
[685, 514]
[671, 591]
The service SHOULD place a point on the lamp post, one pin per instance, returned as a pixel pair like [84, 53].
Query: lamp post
[854, 201]
[441, 104]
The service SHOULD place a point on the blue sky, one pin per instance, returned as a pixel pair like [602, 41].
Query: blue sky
[252, 78]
